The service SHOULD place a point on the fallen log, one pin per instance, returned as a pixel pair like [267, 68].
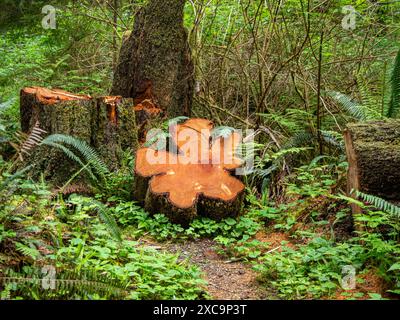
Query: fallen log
[193, 180]
[106, 123]
[373, 153]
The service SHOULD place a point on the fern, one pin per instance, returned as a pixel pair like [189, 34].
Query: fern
[379, 203]
[356, 110]
[369, 103]
[73, 157]
[104, 214]
[16, 175]
[28, 142]
[394, 104]
[300, 139]
[90, 155]
[333, 138]
[67, 284]
[31, 252]
[108, 220]
[176, 120]
[7, 104]
[222, 131]
[368, 109]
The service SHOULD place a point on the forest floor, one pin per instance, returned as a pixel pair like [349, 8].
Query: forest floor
[227, 278]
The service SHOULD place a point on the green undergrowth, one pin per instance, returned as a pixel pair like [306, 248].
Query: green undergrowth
[37, 230]
[326, 241]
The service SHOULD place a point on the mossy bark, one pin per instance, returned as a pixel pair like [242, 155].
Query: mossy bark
[159, 203]
[373, 152]
[155, 61]
[113, 129]
[217, 209]
[141, 184]
[67, 118]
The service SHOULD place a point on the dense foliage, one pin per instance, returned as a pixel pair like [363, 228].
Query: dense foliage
[288, 69]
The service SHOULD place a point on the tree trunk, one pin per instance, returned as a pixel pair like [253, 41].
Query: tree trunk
[155, 61]
[107, 124]
[373, 152]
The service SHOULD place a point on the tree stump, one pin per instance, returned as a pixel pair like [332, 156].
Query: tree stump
[106, 123]
[193, 178]
[57, 111]
[113, 128]
[155, 60]
[373, 153]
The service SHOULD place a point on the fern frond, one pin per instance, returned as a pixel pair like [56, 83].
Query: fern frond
[222, 131]
[15, 176]
[379, 203]
[72, 156]
[370, 104]
[104, 214]
[29, 142]
[394, 104]
[356, 110]
[87, 152]
[31, 252]
[66, 283]
[300, 139]
[7, 104]
[333, 138]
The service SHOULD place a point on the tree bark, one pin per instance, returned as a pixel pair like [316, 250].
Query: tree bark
[155, 60]
[373, 152]
[113, 129]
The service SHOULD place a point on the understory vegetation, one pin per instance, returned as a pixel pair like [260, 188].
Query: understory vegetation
[284, 68]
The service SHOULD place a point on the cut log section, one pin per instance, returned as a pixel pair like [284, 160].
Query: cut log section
[107, 124]
[186, 183]
[373, 153]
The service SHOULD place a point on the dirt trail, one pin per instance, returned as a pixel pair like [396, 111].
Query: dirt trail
[227, 280]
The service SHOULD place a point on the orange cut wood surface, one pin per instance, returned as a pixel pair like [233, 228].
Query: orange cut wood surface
[148, 106]
[183, 177]
[52, 96]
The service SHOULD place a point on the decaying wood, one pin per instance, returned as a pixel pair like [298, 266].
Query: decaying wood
[147, 116]
[195, 180]
[373, 153]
